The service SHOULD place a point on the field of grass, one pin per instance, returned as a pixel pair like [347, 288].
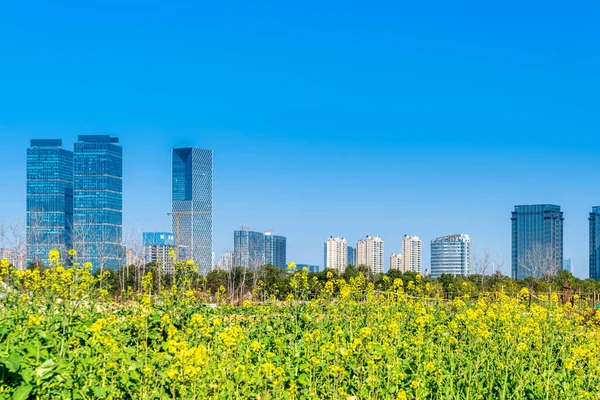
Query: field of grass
[62, 336]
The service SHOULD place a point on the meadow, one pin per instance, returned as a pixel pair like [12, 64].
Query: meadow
[64, 336]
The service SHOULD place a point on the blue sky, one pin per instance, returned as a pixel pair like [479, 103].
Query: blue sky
[325, 118]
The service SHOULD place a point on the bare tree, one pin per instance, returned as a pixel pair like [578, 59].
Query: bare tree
[540, 261]
[486, 263]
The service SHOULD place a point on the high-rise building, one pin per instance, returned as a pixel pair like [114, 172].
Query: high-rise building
[275, 250]
[369, 252]
[11, 255]
[336, 254]
[132, 258]
[248, 248]
[98, 198]
[193, 204]
[412, 254]
[595, 243]
[351, 255]
[159, 248]
[396, 261]
[450, 255]
[49, 200]
[537, 240]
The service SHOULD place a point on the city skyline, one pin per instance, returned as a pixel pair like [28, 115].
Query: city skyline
[95, 140]
[387, 118]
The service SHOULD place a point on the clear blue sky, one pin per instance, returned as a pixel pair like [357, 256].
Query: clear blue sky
[326, 118]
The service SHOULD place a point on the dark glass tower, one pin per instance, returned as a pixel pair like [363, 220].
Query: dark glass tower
[49, 199]
[537, 240]
[193, 204]
[275, 250]
[595, 243]
[98, 195]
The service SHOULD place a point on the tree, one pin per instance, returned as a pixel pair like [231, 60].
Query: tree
[540, 261]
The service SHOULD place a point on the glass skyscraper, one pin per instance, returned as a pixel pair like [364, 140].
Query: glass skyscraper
[193, 204]
[537, 240]
[98, 195]
[49, 199]
[595, 243]
[450, 255]
[352, 256]
[275, 250]
[248, 248]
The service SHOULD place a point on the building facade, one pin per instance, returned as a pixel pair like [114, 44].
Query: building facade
[369, 252]
[192, 208]
[537, 240]
[310, 268]
[451, 254]
[336, 254]
[98, 199]
[595, 243]
[275, 250]
[248, 248]
[49, 200]
[351, 255]
[412, 254]
[159, 248]
[396, 261]
[225, 262]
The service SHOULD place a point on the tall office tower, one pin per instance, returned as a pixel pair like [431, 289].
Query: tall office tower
[412, 254]
[396, 261]
[595, 243]
[157, 249]
[275, 250]
[351, 255]
[450, 255]
[369, 252]
[248, 248]
[336, 254]
[98, 198]
[49, 200]
[537, 240]
[193, 204]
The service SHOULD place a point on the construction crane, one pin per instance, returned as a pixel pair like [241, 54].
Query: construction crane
[177, 215]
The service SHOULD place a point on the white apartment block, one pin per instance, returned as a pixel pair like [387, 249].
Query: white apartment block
[336, 254]
[396, 261]
[369, 252]
[412, 254]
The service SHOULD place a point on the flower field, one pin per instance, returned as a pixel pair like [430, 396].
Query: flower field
[62, 336]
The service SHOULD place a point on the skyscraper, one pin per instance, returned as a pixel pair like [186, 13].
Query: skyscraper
[369, 252]
[595, 243]
[450, 255]
[336, 254]
[248, 248]
[412, 254]
[537, 240]
[49, 199]
[275, 250]
[396, 261]
[157, 248]
[193, 203]
[351, 255]
[98, 198]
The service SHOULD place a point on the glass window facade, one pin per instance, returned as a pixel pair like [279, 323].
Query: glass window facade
[309, 268]
[351, 256]
[595, 243]
[248, 249]
[537, 240]
[98, 195]
[275, 250]
[193, 203]
[49, 199]
[450, 255]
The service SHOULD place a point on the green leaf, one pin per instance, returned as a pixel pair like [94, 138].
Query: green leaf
[46, 367]
[13, 363]
[303, 379]
[22, 392]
